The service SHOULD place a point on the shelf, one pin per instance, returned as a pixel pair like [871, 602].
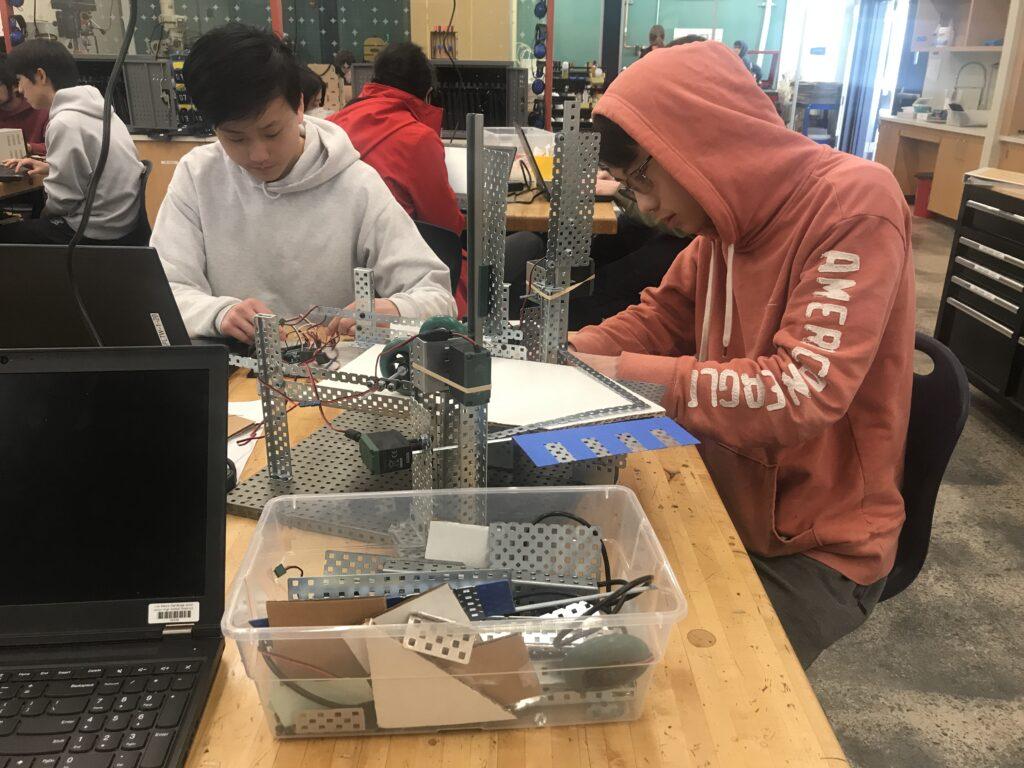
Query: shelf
[1011, 139]
[964, 49]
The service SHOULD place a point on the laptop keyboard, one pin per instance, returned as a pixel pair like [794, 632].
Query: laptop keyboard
[112, 716]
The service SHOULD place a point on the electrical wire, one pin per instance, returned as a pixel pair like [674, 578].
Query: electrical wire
[446, 45]
[101, 163]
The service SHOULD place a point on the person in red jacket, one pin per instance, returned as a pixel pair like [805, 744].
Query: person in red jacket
[398, 132]
[15, 112]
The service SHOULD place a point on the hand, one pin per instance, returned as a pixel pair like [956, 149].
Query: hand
[605, 184]
[29, 165]
[345, 326]
[238, 322]
[605, 364]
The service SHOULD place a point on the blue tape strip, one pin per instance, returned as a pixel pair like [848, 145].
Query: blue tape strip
[535, 445]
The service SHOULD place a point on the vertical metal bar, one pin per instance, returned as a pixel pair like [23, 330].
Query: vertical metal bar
[475, 224]
[366, 317]
[270, 369]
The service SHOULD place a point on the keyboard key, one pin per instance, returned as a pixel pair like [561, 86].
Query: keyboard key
[118, 721]
[34, 708]
[108, 742]
[43, 675]
[170, 715]
[91, 760]
[47, 762]
[10, 708]
[32, 745]
[117, 671]
[88, 673]
[72, 705]
[143, 721]
[70, 688]
[163, 669]
[8, 691]
[159, 745]
[109, 687]
[31, 691]
[92, 724]
[125, 760]
[134, 740]
[183, 682]
[23, 762]
[40, 726]
[83, 742]
[126, 703]
[134, 685]
[100, 705]
[4, 676]
[151, 701]
[158, 683]
[144, 669]
[21, 677]
[7, 726]
[65, 673]
[186, 667]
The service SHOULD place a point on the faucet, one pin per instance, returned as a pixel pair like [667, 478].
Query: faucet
[981, 90]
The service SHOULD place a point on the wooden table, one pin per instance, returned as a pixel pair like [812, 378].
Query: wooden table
[10, 189]
[730, 691]
[533, 217]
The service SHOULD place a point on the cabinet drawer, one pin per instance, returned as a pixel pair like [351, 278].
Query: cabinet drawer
[1006, 289]
[995, 215]
[990, 252]
[968, 290]
[984, 346]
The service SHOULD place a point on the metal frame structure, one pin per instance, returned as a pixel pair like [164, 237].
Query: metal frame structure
[455, 436]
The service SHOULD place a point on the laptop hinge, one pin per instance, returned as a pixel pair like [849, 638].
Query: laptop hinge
[178, 629]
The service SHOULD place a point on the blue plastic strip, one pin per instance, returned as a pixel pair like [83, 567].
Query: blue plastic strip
[570, 446]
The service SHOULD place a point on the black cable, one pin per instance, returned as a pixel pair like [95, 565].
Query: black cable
[581, 521]
[611, 603]
[97, 174]
[462, 85]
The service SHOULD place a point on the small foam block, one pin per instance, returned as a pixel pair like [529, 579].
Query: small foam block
[563, 446]
[459, 542]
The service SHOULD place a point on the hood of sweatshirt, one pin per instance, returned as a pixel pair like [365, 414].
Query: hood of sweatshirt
[81, 98]
[728, 120]
[326, 152]
[381, 111]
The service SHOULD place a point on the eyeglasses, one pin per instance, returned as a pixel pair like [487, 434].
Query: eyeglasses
[636, 180]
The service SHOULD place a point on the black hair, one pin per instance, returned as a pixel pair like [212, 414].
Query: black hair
[404, 66]
[618, 148]
[656, 31]
[341, 58]
[686, 40]
[48, 55]
[313, 88]
[233, 72]
[7, 77]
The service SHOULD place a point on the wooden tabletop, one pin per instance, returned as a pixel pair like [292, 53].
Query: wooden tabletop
[533, 217]
[15, 188]
[730, 692]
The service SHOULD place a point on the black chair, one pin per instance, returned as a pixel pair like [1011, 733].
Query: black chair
[142, 230]
[938, 412]
[446, 245]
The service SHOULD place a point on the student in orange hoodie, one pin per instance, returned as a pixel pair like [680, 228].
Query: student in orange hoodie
[783, 333]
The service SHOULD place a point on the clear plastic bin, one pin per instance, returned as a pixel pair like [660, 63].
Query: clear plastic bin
[523, 672]
[541, 142]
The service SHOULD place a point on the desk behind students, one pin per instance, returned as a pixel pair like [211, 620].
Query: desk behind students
[9, 189]
[535, 216]
[730, 692]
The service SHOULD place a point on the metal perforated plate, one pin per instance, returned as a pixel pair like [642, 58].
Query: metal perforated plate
[443, 641]
[385, 584]
[546, 552]
[320, 722]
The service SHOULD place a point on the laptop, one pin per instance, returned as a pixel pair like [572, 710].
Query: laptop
[125, 292]
[113, 527]
[9, 174]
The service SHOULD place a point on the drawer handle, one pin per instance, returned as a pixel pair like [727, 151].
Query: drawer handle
[997, 327]
[999, 301]
[992, 252]
[991, 274]
[995, 211]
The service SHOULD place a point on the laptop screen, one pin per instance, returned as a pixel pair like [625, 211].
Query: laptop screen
[104, 478]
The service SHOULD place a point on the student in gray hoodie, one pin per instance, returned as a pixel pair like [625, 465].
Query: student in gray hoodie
[48, 79]
[276, 214]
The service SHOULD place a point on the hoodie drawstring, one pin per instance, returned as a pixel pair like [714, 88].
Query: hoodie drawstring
[706, 326]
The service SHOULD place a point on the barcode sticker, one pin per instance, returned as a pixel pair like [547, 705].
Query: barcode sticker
[173, 613]
[161, 332]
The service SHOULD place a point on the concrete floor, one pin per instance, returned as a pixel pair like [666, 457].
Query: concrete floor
[936, 676]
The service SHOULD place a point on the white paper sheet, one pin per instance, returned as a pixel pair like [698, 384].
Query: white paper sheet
[247, 409]
[239, 454]
[524, 392]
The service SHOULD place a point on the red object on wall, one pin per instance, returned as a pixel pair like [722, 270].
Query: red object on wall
[921, 195]
[277, 18]
[5, 19]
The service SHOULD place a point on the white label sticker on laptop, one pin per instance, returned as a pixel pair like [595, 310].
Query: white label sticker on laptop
[161, 333]
[173, 613]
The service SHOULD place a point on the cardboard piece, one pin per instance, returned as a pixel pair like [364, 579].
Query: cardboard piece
[410, 691]
[320, 658]
[500, 669]
[458, 542]
[237, 423]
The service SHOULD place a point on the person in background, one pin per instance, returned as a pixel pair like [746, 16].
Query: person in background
[48, 79]
[655, 38]
[274, 216]
[313, 92]
[15, 112]
[783, 334]
[741, 50]
[343, 61]
[397, 131]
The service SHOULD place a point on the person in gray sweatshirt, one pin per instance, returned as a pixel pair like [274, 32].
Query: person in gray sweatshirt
[48, 79]
[274, 216]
